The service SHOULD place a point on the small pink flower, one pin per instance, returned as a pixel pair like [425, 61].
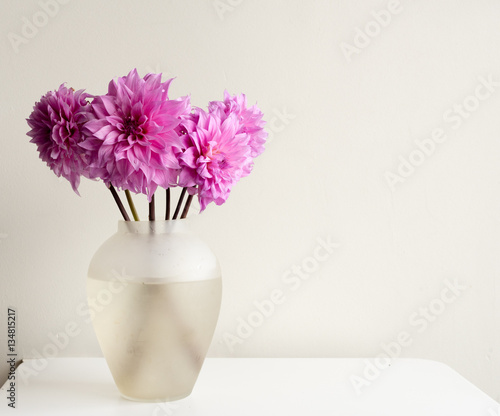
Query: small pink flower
[57, 129]
[132, 133]
[250, 119]
[213, 156]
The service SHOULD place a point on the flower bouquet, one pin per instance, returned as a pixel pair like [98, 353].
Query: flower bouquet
[136, 139]
[154, 288]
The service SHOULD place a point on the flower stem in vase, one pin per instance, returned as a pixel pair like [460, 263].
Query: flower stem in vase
[179, 204]
[119, 202]
[186, 207]
[131, 205]
[167, 208]
[152, 208]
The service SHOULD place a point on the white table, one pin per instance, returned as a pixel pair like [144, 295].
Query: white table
[258, 386]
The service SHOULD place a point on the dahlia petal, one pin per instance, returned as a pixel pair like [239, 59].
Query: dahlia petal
[112, 138]
[94, 125]
[133, 159]
[169, 160]
[178, 107]
[136, 111]
[103, 132]
[187, 178]
[165, 178]
[104, 153]
[189, 157]
[124, 169]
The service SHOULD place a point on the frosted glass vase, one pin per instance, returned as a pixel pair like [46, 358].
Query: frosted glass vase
[155, 292]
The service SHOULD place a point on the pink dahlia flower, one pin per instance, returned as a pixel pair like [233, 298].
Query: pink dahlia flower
[250, 119]
[57, 129]
[132, 133]
[213, 157]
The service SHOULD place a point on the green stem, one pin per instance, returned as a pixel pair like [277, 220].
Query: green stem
[131, 205]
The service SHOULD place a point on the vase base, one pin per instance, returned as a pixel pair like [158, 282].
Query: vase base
[156, 400]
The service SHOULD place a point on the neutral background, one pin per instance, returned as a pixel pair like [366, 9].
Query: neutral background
[345, 112]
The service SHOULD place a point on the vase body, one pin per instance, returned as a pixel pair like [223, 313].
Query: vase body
[154, 289]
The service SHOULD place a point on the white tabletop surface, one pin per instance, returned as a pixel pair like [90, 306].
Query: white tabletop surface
[257, 386]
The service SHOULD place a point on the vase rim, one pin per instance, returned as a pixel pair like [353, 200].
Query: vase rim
[153, 227]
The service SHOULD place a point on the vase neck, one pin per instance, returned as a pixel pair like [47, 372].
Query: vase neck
[153, 227]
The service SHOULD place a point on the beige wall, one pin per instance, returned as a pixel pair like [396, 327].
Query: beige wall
[372, 219]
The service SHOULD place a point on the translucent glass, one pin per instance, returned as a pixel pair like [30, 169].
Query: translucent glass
[155, 292]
